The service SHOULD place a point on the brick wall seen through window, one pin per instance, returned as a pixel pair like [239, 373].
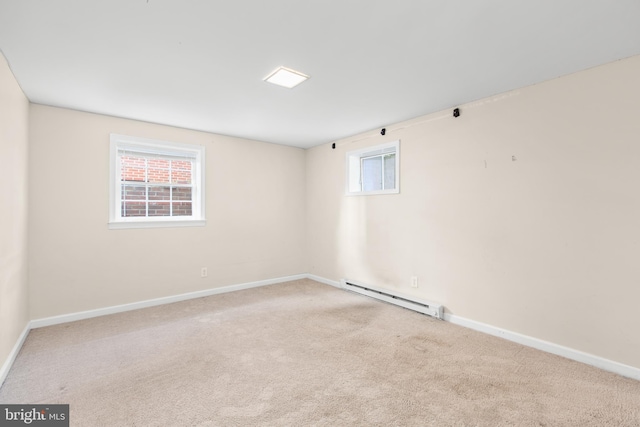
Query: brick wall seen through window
[155, 187]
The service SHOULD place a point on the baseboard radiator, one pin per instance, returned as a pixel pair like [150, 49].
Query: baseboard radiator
[406, 301]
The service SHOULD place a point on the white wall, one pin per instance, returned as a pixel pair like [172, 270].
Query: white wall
[523, 213]
[14, 112]
[255, 208]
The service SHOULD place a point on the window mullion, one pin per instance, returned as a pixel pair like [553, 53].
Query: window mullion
[383, 172]
[195, 202]
[170, 188]
[362, 173]
[146, 187]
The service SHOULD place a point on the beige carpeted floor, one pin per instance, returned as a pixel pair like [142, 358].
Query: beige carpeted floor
[305, 354]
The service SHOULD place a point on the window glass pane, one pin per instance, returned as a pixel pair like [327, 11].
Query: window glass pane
[159, 209]
[181, 172]
[181, 193]
[372, 174]
[159, 193]
[133, 192]
[130, 209]
[389, 171]
[182, 209]
[133, 168]
[158, 170]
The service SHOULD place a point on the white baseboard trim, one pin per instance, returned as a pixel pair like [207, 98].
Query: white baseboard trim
[334, 283]
[589, 359]
[549, 347]
[64, 318]
[6, 366]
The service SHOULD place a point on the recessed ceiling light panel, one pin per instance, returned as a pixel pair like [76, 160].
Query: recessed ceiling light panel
[286, 77]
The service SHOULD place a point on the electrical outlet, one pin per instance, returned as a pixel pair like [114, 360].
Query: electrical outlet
[203, 272]
[414, 281]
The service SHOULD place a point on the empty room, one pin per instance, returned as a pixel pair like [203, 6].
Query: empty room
[362, 212]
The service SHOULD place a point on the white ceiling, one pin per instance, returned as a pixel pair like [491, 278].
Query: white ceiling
[199, 64]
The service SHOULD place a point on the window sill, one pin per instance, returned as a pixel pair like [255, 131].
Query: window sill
[372, 193]
[120, 225]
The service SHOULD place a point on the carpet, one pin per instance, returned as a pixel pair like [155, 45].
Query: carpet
[305, 354]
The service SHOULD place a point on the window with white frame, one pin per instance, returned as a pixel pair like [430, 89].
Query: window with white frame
[374, 170]
[155, 183]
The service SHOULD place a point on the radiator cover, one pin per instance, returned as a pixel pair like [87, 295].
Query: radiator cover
[406, 301]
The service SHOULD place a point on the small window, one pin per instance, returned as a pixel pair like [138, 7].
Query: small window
[155, 183]
[374, 170]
